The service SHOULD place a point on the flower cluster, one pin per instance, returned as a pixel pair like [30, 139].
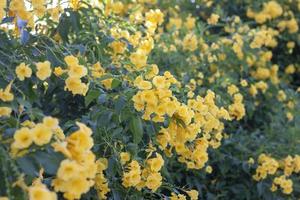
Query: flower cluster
[193, 128]
[270, 166]
[237, 109]
[38, 134]
[149, 176]
[271, 10]
[75, 72]
[6, 96]
[101, 184]
[155, 98]
[40, 191]
[76, 174]
[172, 100]
[43, 72]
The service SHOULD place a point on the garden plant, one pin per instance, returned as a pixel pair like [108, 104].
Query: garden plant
[149, 99]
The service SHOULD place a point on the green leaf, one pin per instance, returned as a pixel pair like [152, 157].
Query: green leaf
[53, 58]
[91, 96]
[74, 19]
[117, 132]
[116, 194]
[104, 118]
[105, 77]
[63, 27]
[28, 165]
[112, 166]
[132, 149]
[50, 161]
[120, 104]
[136, 128]
[115, 83]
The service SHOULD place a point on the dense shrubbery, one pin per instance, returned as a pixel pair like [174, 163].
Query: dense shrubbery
[149, 99]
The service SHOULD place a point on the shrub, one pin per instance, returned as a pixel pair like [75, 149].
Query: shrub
[149, 99]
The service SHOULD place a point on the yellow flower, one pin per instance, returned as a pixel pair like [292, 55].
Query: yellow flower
[177, 197]
[28, 124]
[209, 169]
[297, 164]
[75, 4]
[77, 71]
[118, 7]
[50, 122]
[273, 9]
[144, 85]
[263, 86]
[285, 184]
[80, 141]
[289, 116]
[147, 45]
[174, 22]
[290, 69]
[156, 164]
[153, 72]
[40, 191]
[75, 85]
[273, 188]
[41, 134]
[5, 111]
[68, 169]
[77, 174]
[153, 181]
[43, 70]
[133, 177]
[40, 10]
[292, 25]
[261, 17]
[101, 185]
[2, 14]
[251, 161]
[262, 73]
[281, 96]
[193, 194]
[213, 19]
[155, 17]
[23, 71]
[118, 47]
[71, 60]
[160, 82]
[190, 42]
[6, 95]
[253, 90]
[61, 147]
[125, 157]
[76, 187]
[107, 83]
[97, 70]
[190, 22]
[139, 59]
[237, 110]
[54, 12]
[84, 128]
[58, 71]
[244, 83]
[232, 89]
[23, 138]
[290, 45]
[102, 164]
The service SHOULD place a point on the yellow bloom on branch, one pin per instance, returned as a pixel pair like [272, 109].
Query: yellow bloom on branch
[6, 95]
[43, 70]
[23, 71]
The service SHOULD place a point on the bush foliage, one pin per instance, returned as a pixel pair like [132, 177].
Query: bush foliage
[149, 99]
